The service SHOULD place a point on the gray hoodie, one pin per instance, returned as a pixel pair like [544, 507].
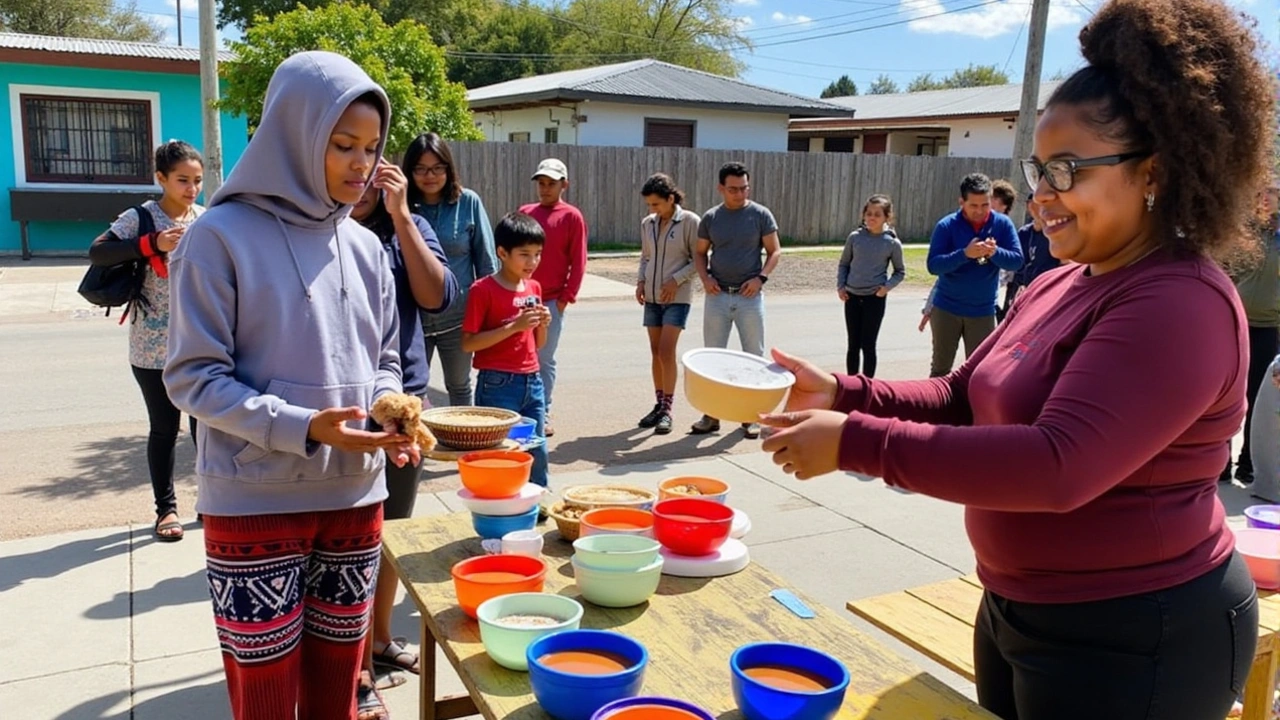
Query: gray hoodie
[283, 306]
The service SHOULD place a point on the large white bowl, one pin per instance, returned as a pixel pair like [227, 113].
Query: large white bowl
[529, 496]
[732, 385]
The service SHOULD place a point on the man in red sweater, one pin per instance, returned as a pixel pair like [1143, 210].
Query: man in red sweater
[563, 264]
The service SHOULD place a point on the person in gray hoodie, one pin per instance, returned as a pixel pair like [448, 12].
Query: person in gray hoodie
[284, 331]
[863, 281]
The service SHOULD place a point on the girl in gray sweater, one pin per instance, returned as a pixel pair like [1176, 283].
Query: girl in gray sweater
[863, 281]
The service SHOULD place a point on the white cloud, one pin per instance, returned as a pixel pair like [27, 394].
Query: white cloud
[793, 19]
[751, 3]
[744, 22]
[989, 21]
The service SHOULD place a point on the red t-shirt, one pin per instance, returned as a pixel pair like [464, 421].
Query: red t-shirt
[489, 306]
[564, 255]
[1084, 437]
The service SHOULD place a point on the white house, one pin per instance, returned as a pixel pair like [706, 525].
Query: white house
[966, 122]
[643, 103]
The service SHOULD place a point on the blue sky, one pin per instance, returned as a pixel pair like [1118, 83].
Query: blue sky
[917, 36]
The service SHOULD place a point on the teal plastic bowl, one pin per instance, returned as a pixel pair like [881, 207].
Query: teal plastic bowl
[617, 588]
[616, 552]
[506, 645]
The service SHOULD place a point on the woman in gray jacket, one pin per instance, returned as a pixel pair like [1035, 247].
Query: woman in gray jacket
[668, 239]
[863, 281]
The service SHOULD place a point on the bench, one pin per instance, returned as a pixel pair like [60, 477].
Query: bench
[27, 205]
[937, 620]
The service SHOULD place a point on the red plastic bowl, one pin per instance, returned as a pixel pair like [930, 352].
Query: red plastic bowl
[479, 578]
[692, 526]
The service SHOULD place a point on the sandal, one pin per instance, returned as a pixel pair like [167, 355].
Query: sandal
[369, 703]
[164, 531]
[395, 656]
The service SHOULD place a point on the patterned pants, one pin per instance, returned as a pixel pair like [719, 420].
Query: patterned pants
[291, 599]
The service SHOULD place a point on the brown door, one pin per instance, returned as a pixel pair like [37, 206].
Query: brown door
[875, 144]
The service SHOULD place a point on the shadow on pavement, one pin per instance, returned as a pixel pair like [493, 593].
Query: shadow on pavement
[52, 562]
[627, 447]
[202, 702]
[193, 588]
[110, 465]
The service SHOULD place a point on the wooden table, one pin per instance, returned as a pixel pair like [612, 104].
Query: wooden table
[938, 621]
[690, 628]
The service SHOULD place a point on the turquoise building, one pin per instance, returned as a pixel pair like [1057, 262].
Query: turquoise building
[84, 118]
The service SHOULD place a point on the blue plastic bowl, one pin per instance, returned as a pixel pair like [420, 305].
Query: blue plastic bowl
[1266, 517]
[612, 709]
[495, 526]
[758, 701]
[578, 697]
[522, 431]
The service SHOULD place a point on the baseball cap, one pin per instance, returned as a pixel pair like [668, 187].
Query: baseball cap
[553, 169]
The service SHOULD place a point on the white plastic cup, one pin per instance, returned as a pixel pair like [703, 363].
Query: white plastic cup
[522, 542]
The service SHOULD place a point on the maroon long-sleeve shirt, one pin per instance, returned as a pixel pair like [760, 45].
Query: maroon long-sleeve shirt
[1085, 436]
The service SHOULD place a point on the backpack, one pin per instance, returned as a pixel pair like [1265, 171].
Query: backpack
[117, 285]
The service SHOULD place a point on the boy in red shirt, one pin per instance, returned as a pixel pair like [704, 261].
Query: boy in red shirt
[505, 325]
[564, 260]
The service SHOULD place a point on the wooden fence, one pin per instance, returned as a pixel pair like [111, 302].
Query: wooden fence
[815, 197]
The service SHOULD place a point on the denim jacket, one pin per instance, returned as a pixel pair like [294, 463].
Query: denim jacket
[467, 238]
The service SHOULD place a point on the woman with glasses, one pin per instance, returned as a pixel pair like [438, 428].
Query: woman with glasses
[1085, 436]
[459, 219]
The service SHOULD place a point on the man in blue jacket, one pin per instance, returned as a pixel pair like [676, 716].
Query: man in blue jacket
[967, 252]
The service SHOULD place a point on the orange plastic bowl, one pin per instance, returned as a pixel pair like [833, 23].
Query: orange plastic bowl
[617, 521]
[480, 578]
[708, 488]
[495, 474]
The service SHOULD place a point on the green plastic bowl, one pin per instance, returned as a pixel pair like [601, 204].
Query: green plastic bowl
[616, 552]
[617, 588]
[507, 645]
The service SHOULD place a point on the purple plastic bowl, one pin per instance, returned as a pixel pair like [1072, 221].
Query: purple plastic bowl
[607, 711]
[1266, 517]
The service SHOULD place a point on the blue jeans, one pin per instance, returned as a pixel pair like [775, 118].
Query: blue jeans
[521, 392]
[454, 364]
[547, 354]
[724, 310]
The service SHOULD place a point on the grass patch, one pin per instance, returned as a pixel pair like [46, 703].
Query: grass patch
[914, 257]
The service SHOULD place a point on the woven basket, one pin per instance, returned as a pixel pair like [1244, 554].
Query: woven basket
[606, 495]
[569, 527]
[470, 427]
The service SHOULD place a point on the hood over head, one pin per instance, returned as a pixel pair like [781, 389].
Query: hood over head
[282, 169]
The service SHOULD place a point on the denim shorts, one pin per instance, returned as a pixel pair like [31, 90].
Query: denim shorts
[656, 315]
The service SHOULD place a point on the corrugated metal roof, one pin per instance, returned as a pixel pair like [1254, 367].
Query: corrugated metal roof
[988, 100]
[92, 46]
[650, 81]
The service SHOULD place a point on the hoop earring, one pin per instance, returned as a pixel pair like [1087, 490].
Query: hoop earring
[1151, 202]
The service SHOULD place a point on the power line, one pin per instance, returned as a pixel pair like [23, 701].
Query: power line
[878, 27]
[1021, 29]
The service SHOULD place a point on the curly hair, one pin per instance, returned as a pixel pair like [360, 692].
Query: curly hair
[663, 186]
[1003, 191]
[1182, 79]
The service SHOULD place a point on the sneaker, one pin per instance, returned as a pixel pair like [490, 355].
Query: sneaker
[1244, 474]
[663, 425]
[751, 430]
[547, 428]
[706, 426]
[651, 419]
[542, 514]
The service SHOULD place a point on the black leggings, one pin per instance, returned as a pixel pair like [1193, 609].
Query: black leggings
[1177, 654]
[162, 441]
[1264, 343]
[862, 317]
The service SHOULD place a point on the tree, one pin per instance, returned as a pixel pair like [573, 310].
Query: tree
[487, 56]
[844, 87]
[101, 19]
[700, 34]
[972, 76]
[445, 19]
[883, 85]
[401, 58]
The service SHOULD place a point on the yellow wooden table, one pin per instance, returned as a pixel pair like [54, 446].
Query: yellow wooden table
[689, 628]
[938, 621]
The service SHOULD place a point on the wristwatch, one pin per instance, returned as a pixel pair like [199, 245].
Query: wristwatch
[763, 279]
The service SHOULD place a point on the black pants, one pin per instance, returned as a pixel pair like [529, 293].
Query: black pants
[402, 486]
[1177, 654]
[862, 317]
[162, 440]
[1264, 343]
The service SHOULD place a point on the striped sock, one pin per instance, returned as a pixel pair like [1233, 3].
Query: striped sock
[665, 399]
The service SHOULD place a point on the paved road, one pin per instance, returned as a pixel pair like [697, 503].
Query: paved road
[73, 432]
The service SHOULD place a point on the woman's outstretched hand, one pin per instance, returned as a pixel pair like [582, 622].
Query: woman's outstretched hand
[814, 389]
[806, 443]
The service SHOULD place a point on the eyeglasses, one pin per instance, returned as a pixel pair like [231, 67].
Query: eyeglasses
[421, 171]
[736, 188]
[1061, 173]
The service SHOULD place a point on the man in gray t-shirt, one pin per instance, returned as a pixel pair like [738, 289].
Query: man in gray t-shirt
[734, 233]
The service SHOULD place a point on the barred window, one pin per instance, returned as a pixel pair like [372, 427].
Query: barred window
[87, 140]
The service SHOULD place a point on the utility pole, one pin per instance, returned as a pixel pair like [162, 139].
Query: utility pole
[208, 100]
[1024, 132]
[179, 9]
